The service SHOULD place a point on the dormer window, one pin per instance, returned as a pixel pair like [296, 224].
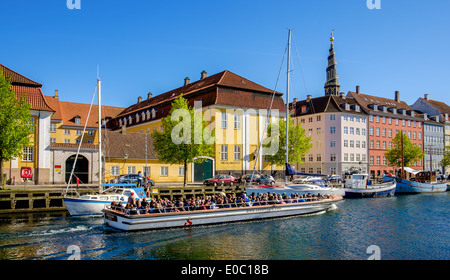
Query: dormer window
[77, 120]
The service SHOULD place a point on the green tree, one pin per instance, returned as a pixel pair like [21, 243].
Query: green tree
[446, 160]
[184, 136]
[15, 124]
[299, 143]
[412, 153]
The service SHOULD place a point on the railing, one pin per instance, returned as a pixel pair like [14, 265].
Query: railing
[203, 207]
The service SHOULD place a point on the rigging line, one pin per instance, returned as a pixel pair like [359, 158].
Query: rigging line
[300, 64]
[81, 141]
[269, 113]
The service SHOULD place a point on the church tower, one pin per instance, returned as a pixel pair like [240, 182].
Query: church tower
[332, 85]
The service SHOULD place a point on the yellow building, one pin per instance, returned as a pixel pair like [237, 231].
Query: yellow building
[234, 106]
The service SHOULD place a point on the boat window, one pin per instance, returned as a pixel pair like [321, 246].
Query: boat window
[94, 197]
[127, 193]
[358, 177]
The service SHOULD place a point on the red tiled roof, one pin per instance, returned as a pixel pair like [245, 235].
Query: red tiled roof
[225, 79]
[74, 146]
[364, 100]
[24, 86]
[441, 106]
[117, 145]
[17, 78]
[67, 111]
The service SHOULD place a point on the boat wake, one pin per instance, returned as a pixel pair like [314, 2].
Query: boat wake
[78, 228]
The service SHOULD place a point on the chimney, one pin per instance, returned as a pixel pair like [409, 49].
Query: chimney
[357, 89]
[123, 129]
[56, 94]
[139, 99]
[427, 96]
[308, 97]
[397, 96]
[187, 81]
[342, 94]
[149, 95]
[203, 75]
[295, 101]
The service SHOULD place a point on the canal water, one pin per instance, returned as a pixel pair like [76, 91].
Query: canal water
[404, 227]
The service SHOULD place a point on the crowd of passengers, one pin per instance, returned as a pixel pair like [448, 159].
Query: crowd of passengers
[217, 201]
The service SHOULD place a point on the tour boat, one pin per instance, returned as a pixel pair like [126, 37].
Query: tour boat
[358, 186]
[133, 222]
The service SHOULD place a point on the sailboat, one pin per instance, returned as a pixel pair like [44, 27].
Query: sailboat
[118, 193]
[251, 211]
[422, 182]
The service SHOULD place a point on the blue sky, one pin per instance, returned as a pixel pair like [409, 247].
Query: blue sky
[151, 46]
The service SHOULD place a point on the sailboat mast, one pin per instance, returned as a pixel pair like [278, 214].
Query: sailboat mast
[99, 84]
[287, 100]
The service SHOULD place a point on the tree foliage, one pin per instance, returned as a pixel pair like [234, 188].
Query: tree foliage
[15, 124]
[446, 160]
[412, 153]
[299, 143]
[184, 136]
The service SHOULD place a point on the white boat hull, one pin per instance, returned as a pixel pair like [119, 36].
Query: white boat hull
[80, 207]
[122, 221]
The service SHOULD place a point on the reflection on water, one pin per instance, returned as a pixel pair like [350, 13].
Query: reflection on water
[404, 227]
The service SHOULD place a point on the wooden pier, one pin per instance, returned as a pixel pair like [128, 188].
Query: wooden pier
[51, 199]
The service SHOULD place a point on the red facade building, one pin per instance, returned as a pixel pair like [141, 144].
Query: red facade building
[386, 118]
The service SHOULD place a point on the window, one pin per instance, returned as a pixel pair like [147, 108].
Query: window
[371, 162]
[384, 132]
[352, 144]
[378, 160]
[223, 152]
[345, 130]
[371, 144]
[146, 171]
[352, 130]
[52, 140]
[53, 127]
[333, 171]
[332, 117]
[67, 131]
[131, 169]
[363, 144]
[363, 157]
[358, 131]
[332, 143]
[90, 141]
[363, 132]
[333, 157]
[223, 123]
[180, 170]
[237, 121]
[90, 132]
[78, 141]
[345, 143]
[371, 118]
[333, 130]
[67, 141]
[345, 157]
[311, 158]
[371, 130]
[319, 158]
[79, 132]
[28, 154]
[164, 171]
[237, 152]
[358, 144]
[352, 157]
[358, 157]
[378, 131]
[378, 144]
[390, 133]
[115, 170]
[384, 145]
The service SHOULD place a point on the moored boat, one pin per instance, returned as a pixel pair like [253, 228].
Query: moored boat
[423, 182]
[86, 205]
[127, 222]
[358, 186]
